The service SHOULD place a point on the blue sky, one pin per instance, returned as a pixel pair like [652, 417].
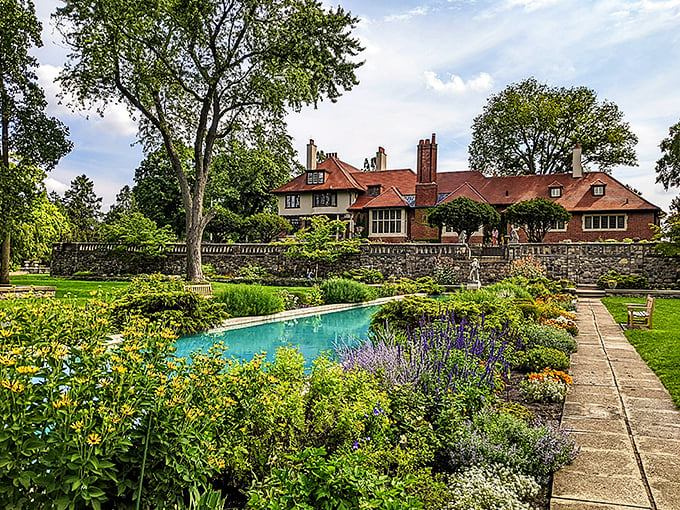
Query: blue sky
[429, 68]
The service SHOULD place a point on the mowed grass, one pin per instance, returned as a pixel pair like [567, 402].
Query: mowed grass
[660, 346]
[67, 288]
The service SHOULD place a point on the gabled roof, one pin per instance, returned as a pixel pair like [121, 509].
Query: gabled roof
[404, 180]
[339, 175]
[390, 198]
[576, 195]
[466, 190]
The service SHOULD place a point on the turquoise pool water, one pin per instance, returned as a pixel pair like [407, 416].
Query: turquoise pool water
[312, 335]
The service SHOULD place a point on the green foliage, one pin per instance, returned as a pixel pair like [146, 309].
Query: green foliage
[315, 481]
[623, 281]
[668, 166]
[345, 291]
[226, 226]
[138, 238]
[194, 83]
[508, 289]
[265, 227]
[245, 300]
[531, 128]
[533, 335]
[31, 142]
[253, 272]
[124, 205]
[538, 358]
[668, 235]
[546, 386]
[526, 267]
[83, 208]
[164, 301]
[537, 216]
[463, 214]
[33, 238]
[364, 275]
[445, 272]
[317, 242]
[398, 286]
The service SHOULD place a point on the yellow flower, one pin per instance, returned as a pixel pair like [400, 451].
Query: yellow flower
[77, 425]
[27, 370]
[5, 333]
[7, 360]
[14, 386]
[64, 401]
[118, 368]
[127, 410]
[94, 439]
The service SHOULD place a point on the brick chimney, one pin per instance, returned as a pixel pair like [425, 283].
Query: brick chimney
[576, 167]
[426, 180]
[380, 160]
[311, 155]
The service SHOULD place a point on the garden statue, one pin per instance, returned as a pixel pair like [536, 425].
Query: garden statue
[514, 236]
[462, 237]
[474, 274]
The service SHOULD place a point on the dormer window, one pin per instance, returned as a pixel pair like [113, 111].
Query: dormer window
[373, 191]
[315, 177]
[598, 190]
[555, 191]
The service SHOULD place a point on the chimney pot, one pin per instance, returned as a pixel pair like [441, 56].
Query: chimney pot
[576, 167]
[311, 155]
[433, 138]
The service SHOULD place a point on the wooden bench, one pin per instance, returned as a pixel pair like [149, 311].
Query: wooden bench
[640, 314]
[202, 289]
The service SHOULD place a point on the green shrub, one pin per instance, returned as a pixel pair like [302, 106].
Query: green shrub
[623, 281]
[507, 289]
[538, 358]
[345, 291]
[185, 311]
[246, 300]
[153, 283]
[312, 479]
[407, 313]
[533, 335]
[530, 310]
[253, 272]
[446, 272]
[527, 267]
[364, 275]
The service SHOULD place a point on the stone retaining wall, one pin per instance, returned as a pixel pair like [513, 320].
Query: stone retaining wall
[581, 263]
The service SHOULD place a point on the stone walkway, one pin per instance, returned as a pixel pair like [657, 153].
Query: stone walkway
[624, 421]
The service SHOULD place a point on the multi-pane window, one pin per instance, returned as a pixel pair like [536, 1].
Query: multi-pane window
[316, 177]
[598, 190]
[325, 199]
[292, 201]
[558, 225]
[386, 221]
[604, 222]
[555, 192]
[373, 191]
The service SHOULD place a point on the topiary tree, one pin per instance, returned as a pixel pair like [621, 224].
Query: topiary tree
[537, 216]
[463, 214]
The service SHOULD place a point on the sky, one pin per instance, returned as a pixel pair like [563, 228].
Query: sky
[429, 67]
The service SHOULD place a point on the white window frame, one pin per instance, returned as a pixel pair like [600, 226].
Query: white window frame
[560, 226]
[598, 190]
[330, 199]
[599, 217]
[387, 222]
[292, 201]
[316, 177]
[555, 192]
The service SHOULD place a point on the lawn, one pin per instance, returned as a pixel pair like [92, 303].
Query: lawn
[67, 287]
[659, 347]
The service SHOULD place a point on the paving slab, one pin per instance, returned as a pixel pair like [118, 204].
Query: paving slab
[624, 421]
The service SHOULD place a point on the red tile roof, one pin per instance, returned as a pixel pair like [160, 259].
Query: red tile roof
[339, 175]
[389, 198]
[466, 190]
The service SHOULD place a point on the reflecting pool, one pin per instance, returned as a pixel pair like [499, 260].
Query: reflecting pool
[312, 335]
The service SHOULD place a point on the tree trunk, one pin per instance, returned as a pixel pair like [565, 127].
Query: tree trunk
[4, 260]
[194, 237]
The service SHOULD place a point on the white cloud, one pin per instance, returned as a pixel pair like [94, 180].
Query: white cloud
[405, 16]
[456, 85]
[531, 5]
[55, 185]
[116, 119]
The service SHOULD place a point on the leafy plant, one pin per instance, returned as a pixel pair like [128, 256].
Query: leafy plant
[445, 271]
[253, 272]
[245, 300]
[364, 275]
[538, 358]
[534, 335]
[345, 291]
[623, 281]
[527, 267]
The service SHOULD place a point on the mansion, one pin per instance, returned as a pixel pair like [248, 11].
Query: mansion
[391, 205]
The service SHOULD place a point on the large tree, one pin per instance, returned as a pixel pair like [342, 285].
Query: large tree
[668, 166]
[31, 142]
[83, 208]
[532, 128]
[196, 72]
[463, 213]
[537, 216]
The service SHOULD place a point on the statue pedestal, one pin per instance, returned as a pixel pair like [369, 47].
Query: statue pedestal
[474, 285]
